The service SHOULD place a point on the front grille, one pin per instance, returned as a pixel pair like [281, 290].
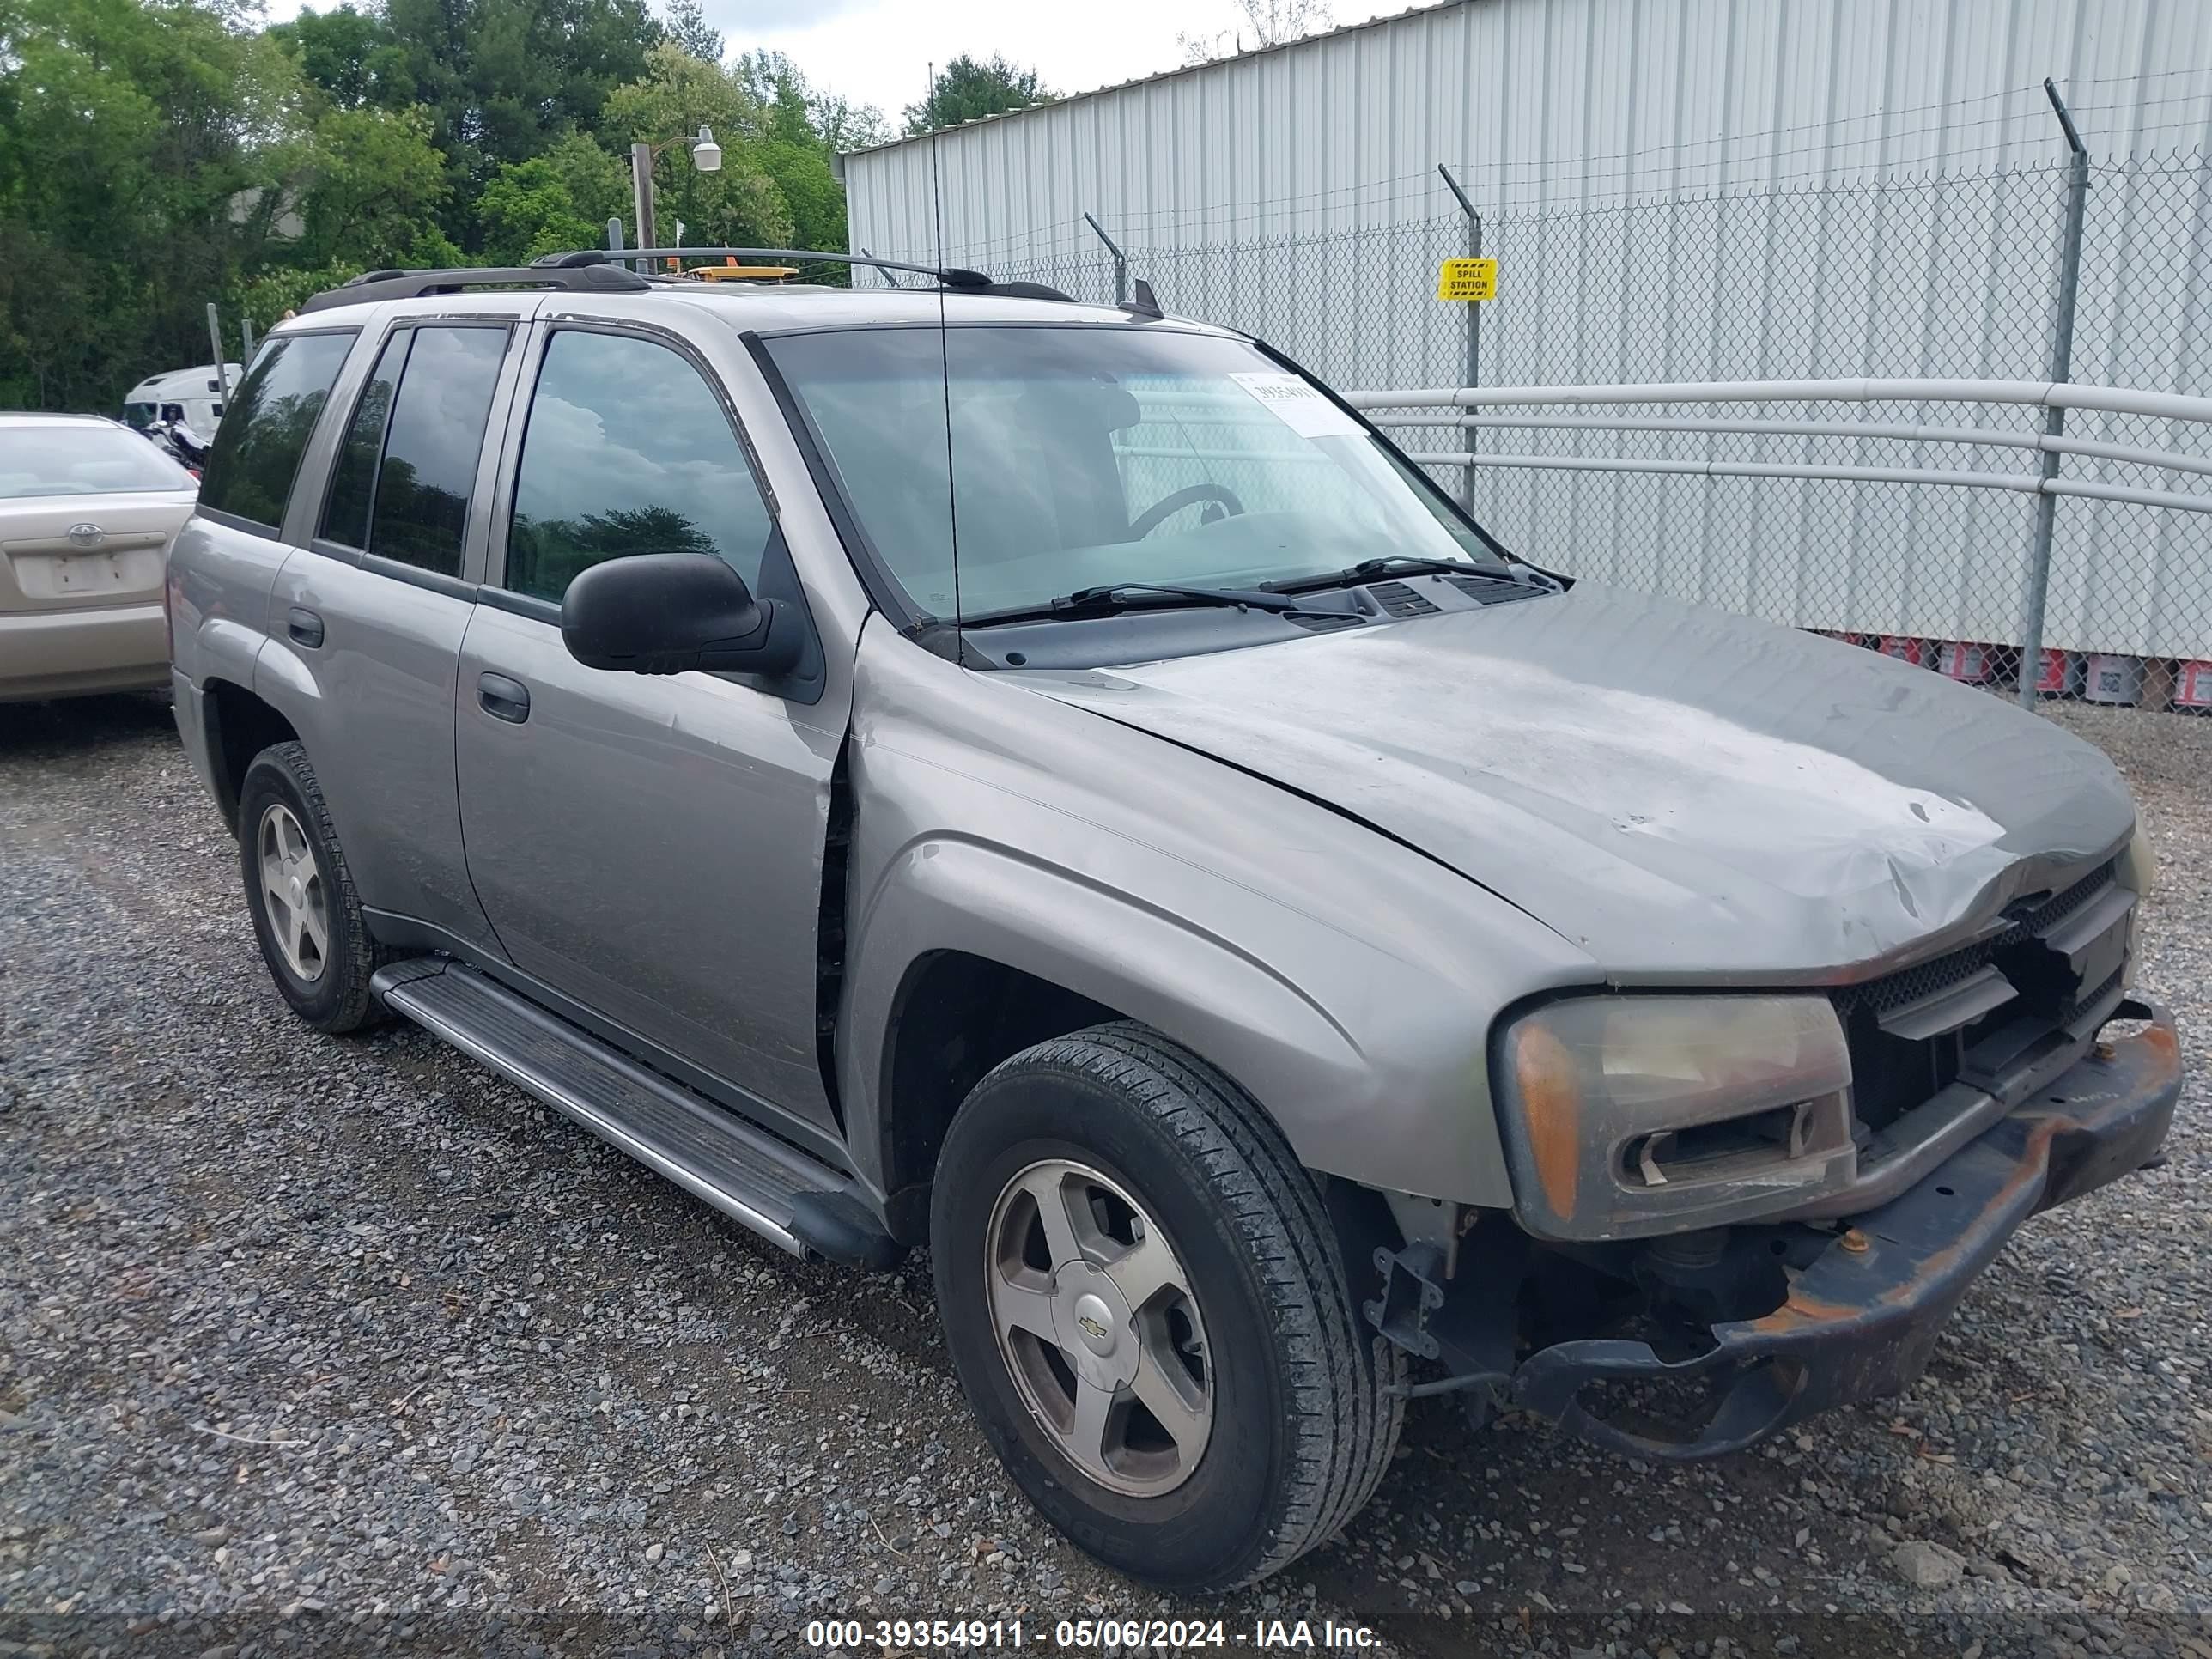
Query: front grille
[2036, 917]
[1891, 1075]
[2078, 1005]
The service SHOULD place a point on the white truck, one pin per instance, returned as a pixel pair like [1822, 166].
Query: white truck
[191, 397]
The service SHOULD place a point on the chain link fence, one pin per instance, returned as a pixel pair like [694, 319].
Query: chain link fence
[1958, 275]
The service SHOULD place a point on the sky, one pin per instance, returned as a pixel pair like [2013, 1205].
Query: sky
[878, 51]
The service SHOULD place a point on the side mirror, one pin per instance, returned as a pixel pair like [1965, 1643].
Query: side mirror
[663, 613]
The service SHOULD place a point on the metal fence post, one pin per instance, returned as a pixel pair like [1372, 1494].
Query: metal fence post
[2054, 418]
[1474, 331]
[1120, 260]
[214, 333]
[246, 341]
[640, 190]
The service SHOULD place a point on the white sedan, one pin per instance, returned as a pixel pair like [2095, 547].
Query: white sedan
[86, 511]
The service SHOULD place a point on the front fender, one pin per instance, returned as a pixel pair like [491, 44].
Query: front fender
[953, 893]
[1344, 980]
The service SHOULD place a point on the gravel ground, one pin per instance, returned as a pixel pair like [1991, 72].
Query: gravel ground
[343, 1345]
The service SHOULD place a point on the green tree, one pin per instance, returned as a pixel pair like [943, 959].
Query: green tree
[740, 205]
[371, 187]
[502, 79]
[690, 31]
[800, 112]
[134, 141]
[353, 56]
[560, 200]
[155, 154]
[968, 89]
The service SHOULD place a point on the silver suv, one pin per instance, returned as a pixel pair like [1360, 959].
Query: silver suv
[946, 765]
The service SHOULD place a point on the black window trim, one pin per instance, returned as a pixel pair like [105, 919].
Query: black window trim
[405, 325]
[526, 396]
[414, 575]
[437, 581]
[254, 526]
[519, 605]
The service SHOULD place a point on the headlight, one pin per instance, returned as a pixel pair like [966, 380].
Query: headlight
[1627, 1115]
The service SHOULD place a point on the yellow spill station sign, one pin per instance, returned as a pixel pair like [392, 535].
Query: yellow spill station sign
[1468, 279]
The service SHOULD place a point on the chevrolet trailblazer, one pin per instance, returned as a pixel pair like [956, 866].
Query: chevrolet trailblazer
[948, 765]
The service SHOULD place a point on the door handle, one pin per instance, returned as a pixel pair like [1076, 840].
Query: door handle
[503, 699]
[305, 627]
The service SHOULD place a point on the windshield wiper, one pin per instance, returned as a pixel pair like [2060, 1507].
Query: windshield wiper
[1367, 570]
[1132, 596]
[1114, 593]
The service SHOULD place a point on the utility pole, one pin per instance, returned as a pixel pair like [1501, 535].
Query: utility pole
[706, 156]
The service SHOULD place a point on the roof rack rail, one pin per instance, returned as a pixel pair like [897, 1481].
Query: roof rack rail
[586, 258]
[372, 286]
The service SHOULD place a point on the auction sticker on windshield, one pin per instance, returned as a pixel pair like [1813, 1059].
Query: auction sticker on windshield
[1298, 406]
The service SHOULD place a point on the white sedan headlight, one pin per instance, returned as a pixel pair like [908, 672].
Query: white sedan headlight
[1629, 1116]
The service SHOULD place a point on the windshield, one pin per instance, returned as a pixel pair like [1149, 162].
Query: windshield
[83, 460]
[1086, 456]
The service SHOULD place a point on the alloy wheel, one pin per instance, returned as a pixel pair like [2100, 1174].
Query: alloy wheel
[292, 889]
[1096, 1321]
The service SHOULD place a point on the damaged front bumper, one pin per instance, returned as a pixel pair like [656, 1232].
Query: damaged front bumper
[1860, 1319]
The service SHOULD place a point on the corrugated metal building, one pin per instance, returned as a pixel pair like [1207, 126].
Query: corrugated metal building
[1543, 102]
[1677, 190]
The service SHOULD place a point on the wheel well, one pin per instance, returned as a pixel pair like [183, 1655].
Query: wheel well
[958, 1015]
[239, 725]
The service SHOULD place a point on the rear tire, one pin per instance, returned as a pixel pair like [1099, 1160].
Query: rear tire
[1278, 1390]
[305, 913]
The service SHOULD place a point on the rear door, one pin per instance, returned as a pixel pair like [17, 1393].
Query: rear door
[649, 846]
[366, 625]
[226, 558]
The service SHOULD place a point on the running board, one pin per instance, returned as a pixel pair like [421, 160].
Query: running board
[792, 1200]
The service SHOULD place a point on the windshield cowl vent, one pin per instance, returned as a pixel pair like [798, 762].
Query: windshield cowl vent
[1495, 589]
[1320, 621]
[1400, 600]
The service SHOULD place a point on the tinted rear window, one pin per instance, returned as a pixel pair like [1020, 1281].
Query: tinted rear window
[83, 460]
[257, 451]
[430, 448]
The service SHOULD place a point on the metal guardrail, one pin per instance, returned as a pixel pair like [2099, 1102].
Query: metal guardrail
[1453, 406]
[2040, 394]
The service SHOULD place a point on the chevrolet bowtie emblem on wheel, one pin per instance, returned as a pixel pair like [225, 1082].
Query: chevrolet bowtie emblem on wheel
[86, 535]
[1091, 1327]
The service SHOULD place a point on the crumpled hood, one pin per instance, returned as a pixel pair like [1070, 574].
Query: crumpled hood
[1682, 793]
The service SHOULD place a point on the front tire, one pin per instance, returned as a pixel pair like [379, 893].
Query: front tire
[1149, 1311]
[305, 913]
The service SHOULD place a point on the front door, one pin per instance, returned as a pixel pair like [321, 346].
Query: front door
[649, 846]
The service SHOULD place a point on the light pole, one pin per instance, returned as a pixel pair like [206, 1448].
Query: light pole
[706, 156]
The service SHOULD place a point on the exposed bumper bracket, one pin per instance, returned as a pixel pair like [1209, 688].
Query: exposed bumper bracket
[1471, 1336]
[1860, 1322]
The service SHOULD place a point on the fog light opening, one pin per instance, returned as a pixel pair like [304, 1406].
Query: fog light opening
[1710, 1151]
